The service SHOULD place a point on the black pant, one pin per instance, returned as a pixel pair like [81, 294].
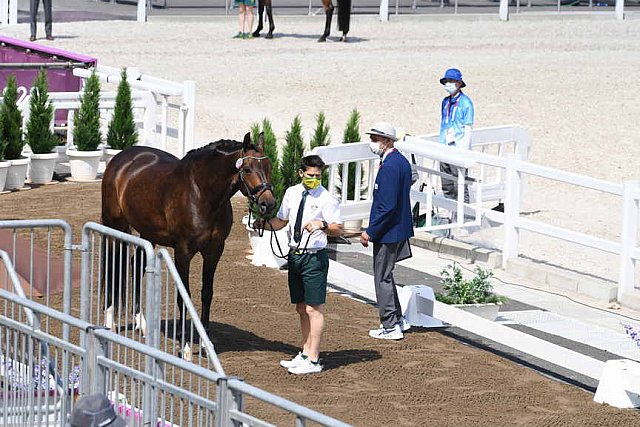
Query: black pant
[449, 186]
[47, 16]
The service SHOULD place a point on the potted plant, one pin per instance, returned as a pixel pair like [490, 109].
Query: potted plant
[351, 134]
[38, 134]
[122, 131]
[4, 165]
[11, 133]
[84, 158]
[475, 295]
[261, 245]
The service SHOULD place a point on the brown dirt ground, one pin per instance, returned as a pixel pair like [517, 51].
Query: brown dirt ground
[425, 379]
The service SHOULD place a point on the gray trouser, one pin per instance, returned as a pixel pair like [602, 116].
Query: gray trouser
[46, 4]
[449, 186]
[385, 256]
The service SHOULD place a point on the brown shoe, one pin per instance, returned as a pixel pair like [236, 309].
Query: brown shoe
[50, 38]
[32, 38]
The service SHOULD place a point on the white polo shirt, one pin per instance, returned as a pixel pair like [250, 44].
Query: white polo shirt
[319, 205]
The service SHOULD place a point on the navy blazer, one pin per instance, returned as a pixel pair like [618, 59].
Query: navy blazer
[390, 218]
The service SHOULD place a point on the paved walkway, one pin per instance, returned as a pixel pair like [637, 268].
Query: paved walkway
[586, 326]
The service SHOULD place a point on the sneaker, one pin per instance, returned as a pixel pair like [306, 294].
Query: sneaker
[247, 36]
[240, 35]
[293, 362]
[394, 333]
[404, 325]
[306, 367]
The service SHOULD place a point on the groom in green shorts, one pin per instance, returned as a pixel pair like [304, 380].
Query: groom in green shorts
[312, 214]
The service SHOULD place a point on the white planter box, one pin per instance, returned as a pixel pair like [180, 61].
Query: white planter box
[109, 153]
[17, 174]
[41, 167]
[84, 164]
[4, 168]
[263, 254]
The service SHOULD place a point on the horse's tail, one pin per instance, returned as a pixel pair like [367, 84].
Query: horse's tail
[344, 15]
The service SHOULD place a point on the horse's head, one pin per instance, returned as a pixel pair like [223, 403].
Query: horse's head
[255, 175]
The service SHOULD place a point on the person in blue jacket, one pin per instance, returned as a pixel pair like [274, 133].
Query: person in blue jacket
[390, 227]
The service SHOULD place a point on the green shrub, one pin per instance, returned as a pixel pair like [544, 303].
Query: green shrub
[86, 132]
[351, 134]
[292, 153]
[11, 123]
[457, 290]
[38, 133]
[122, 131]
[321, 138]
[271, 151]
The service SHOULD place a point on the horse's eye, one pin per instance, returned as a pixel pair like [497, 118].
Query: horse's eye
[246, 170]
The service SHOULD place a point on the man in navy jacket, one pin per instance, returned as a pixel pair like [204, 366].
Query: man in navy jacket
[390, 227]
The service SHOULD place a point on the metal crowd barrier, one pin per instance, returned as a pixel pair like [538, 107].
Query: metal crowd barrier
[53, 352]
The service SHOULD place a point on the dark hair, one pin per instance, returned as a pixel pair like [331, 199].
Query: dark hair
[312, 161]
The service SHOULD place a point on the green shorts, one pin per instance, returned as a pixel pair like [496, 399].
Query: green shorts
[251, 3]
[308, 277]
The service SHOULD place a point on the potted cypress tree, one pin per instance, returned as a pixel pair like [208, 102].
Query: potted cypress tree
[261, 245]
[38, 134]
[11, 133]
[122, 131]
[320, 138]
[4, 165]
[292, 153]
[84, 158]
[350, 135]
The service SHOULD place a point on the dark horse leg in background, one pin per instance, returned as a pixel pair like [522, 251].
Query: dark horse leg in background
[344, 17]
[261, 6]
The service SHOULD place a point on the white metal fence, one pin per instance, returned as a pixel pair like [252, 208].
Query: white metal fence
[153, 378]
[503, 171]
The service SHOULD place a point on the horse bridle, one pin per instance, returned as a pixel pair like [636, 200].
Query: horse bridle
[255, 192]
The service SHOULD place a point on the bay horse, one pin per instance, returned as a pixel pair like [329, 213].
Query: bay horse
[344, 17]
[183, 204]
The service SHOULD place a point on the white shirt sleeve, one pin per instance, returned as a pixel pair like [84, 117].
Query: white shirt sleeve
[283, 212]
[331, 211]
[465, 141]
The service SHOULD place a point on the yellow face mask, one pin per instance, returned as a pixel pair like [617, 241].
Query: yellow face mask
[310, 183]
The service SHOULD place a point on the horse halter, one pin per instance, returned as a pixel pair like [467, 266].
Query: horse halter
[255, 192]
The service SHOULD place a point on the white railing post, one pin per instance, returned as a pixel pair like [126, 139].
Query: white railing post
[628, 239]
[384, 10]
[511, 210]
[189, 101]
[142, 11]
[620, 10]
[504, 10]
[13, 12]
[4, 12]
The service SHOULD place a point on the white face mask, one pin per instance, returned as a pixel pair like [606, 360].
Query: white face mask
[376, 148]
[450, 87]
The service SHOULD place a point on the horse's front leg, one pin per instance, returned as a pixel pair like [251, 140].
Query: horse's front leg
[328, 10]
[211, 255]
[183, 261]
[256, 33]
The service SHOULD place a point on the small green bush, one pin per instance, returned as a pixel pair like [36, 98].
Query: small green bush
[457, 290]
[292, 153]
[352, 134]
[122, 131]
[38, 133]
[86, 133]
[271, 151]
[320, 138]
[11, 123]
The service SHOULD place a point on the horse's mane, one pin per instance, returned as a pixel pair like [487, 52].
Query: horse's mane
[225, 146]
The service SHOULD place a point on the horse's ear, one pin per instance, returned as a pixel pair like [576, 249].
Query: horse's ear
[246, 142]
[261, 142]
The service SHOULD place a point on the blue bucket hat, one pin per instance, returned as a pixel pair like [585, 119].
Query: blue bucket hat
[453, 74]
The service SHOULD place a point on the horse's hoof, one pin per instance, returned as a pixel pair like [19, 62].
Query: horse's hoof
[141, 324]
[256, 34]
[343, 39]
[268, 36]
[108, 319]
[322, 39]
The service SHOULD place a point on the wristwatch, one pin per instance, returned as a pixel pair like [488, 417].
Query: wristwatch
[324, 225]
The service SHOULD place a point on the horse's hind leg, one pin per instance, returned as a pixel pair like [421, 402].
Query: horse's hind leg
[139, 265]
[256, 33]
[272, 26]
[113, 274]
[211, 255]
[344, 18]
[328, 10]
